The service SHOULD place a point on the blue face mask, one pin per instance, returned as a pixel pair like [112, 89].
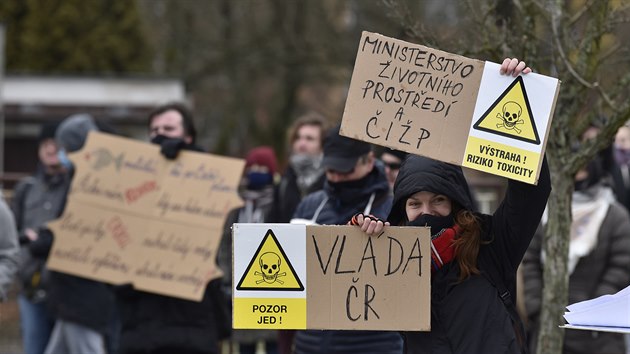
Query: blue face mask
[258, 180]
[63, 159]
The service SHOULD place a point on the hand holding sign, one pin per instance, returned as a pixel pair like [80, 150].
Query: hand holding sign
[450, 108]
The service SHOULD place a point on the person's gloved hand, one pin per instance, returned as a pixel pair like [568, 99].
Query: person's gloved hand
[370, 224]
[170, 147]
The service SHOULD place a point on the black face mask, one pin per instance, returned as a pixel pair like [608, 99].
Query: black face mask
[158, 139]
[437, 223]
[350, 191]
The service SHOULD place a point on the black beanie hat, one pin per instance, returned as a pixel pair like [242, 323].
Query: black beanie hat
[47, 131]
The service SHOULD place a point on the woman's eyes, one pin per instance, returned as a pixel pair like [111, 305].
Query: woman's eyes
[438, 200]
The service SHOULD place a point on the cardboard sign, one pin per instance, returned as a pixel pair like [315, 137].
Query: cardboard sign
[448, 107]
[134, 217]
[289, 276]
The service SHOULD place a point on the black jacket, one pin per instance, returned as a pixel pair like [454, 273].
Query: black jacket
[153, 323]
[469, 316]
[287, 196]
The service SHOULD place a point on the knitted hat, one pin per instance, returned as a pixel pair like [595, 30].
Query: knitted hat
[73, 131]
[47, 132]
[263, 156]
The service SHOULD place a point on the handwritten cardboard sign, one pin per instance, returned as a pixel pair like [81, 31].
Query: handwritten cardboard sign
[448, 107]
[331, 277]
[134, 217]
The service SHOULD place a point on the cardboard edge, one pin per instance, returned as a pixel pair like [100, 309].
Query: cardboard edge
[543, 151]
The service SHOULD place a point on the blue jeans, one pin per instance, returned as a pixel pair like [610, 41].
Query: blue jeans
[36, 325]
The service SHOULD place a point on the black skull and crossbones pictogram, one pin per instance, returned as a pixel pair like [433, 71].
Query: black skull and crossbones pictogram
[270, 269]
[510, 116]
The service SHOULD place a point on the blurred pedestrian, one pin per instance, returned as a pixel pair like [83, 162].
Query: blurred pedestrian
[153, 323]
[36, 200]
[257, 190]
[392, 159]
[304, 174]
[83, 308]
[599, 259]
[9, 249]
[620, 171]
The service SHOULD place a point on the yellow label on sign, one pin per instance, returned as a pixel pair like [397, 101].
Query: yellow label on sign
[499, 159]
[266, 313]
[510, 115]
[270, 269]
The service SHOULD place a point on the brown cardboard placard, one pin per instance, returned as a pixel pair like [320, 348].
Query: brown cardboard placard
[448, 107]
[352, 281]
[134, 217]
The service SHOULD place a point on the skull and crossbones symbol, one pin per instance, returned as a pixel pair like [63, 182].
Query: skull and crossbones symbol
[269, 269]
[510, 116]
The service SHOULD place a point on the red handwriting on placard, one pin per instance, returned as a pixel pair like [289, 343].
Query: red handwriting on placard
[135, 193]
[119, 231]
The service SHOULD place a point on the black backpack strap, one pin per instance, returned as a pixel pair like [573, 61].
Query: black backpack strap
[508, 302]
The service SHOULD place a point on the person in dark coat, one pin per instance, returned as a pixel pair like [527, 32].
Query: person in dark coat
[37, 200]
[620, 168]
[304, 174]
[153, 323]
[598, 264]
[353, 184]
[474, 257]
[256, 190]
[83, 308]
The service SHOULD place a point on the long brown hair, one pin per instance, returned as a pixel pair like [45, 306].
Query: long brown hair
[467, 243]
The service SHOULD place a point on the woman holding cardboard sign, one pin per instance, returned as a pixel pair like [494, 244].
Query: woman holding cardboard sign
[474, 257]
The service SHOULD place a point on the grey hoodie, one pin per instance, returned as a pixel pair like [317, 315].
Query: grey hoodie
[8, 249]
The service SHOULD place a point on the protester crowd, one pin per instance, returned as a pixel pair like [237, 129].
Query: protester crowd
[329, 179]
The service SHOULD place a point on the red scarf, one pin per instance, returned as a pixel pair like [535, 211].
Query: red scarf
[442, 248]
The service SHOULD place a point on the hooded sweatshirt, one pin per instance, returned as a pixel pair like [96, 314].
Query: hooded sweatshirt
[469, 316]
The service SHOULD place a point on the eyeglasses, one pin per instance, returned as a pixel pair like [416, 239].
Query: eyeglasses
[392, 165]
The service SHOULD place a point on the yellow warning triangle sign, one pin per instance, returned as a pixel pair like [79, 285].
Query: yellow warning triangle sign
[270, 269]
[510, 115]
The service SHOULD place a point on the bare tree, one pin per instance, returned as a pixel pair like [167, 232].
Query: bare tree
[584, 45]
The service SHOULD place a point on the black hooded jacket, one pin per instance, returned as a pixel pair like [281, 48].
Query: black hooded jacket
[469, 316]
